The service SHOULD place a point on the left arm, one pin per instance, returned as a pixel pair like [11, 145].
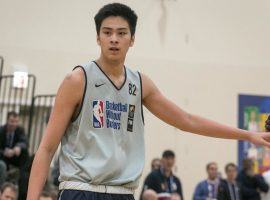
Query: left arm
[170, 113]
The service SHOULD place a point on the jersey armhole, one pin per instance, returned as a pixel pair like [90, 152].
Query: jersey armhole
[85, 86]
[141, 96]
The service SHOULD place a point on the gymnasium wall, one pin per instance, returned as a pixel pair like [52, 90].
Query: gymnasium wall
[201, 54]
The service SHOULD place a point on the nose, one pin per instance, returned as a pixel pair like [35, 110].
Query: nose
[114, 38]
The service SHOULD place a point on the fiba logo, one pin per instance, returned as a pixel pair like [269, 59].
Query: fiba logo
[98, 114]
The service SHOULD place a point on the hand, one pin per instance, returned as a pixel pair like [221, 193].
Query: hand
[17, 150]
[9, 152]
[267, 124]
[260, 138]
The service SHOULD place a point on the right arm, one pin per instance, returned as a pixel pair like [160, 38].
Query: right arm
[68, 99]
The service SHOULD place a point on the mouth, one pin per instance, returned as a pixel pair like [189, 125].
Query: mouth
[114, 49]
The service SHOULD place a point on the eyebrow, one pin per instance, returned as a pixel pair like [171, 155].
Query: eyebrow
[122, 28]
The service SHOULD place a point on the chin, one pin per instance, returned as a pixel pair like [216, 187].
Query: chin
[115, 58]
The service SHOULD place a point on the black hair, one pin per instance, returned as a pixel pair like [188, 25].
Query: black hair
[12, 113]
[230, 165]
[168, 154]
[116, 9]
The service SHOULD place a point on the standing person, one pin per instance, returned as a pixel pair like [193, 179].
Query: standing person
[13, 150]
[207, 189]
[155, 164]
[251, 184]
[8, 191]
[266, 176]
[98, 117]
[228, 188]
[163, 180]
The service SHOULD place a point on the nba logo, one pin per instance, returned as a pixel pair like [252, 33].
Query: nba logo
[98, 114]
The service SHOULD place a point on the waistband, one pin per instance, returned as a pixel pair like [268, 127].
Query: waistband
[72, 185]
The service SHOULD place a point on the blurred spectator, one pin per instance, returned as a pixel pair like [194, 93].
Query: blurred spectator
[228, 189]
[163, 180]
[207, 189]
[3, 171]
[8, 192]
[155, 164]
[251, 184]
[266, 176]
[13, 148]
[45, 196]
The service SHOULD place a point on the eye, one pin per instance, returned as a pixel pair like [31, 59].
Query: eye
[106, 32]
[122, 33]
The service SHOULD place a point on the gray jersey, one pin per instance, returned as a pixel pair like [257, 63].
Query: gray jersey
[104, 145]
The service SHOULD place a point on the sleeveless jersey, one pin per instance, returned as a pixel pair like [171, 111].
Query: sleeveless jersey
[104, 145]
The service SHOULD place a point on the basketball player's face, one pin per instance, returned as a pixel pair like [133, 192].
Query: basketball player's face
[115, 38]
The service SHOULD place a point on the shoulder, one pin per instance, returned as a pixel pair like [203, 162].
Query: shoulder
[202, 183]
[155, 174]
[222, 183]
[176, 179]
[74, 82]
[71, 89]
[241, 174]
[148, 87]
[2, 129]
[20, 130]
[76, 76]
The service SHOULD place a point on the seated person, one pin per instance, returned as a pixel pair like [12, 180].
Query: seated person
[13, 145]
[8, 192]
[163, 180]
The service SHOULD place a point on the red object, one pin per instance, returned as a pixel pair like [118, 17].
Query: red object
[164, 196]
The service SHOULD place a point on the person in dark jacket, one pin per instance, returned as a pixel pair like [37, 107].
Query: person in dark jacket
[251, 184]
[13, 148]
[163, 180]
[228, 189]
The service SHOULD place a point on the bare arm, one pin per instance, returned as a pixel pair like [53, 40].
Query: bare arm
[68, 98]
[175, 116]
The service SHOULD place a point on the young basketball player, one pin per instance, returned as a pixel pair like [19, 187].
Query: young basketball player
[98, 116]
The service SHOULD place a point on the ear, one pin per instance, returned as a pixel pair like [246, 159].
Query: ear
[132, 41]
[98, 40]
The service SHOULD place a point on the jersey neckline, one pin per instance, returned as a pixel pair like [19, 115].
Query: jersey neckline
[110, 79]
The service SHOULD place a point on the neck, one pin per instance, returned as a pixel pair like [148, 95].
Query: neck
[211, 179]
[167, 172]
[9, 130]
[230, 180]
[111, 67]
